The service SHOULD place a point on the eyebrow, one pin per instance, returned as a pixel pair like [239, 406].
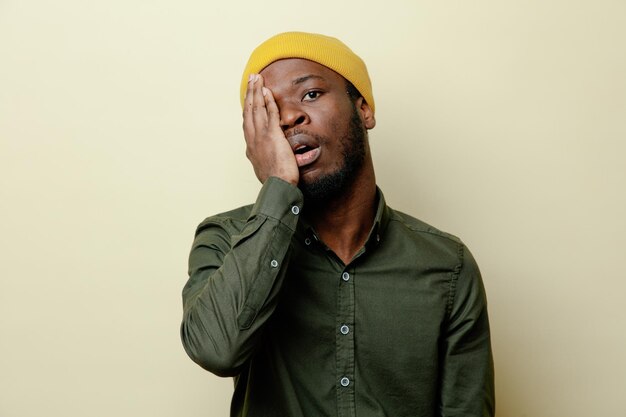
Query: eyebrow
[304, 78]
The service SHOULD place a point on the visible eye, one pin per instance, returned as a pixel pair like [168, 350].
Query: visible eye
[312, 95]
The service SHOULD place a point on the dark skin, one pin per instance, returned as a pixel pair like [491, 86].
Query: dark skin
[295, 114]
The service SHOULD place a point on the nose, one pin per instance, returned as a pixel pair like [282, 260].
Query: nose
[291, 116]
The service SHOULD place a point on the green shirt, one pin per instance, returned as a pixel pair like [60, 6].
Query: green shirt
[402, 330]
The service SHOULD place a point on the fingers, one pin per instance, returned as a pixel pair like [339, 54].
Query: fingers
[273, 114]
[257, 116]
[261, 114]
[248, 122]
[259, 111]
[266, 146]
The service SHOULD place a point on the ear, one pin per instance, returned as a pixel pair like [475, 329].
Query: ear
[367, 115]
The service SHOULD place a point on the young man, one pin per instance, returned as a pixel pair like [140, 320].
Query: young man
[319, 299]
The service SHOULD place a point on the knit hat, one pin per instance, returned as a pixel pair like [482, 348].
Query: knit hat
[325, 50]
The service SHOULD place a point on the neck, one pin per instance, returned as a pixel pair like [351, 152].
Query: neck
[345, 222]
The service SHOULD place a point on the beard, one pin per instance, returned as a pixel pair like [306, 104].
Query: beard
[353, 150]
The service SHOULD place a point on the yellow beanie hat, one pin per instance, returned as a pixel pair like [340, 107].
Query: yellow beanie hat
[325, 50]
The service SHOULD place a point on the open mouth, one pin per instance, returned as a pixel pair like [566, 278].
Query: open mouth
[306, 155]
[303, 149]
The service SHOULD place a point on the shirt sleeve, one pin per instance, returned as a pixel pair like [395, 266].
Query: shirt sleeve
[468, 376]
[234, 279]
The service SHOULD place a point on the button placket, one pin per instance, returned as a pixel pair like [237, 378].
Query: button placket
[344, 342]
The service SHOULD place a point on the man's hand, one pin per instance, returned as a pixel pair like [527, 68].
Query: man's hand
[266, 145]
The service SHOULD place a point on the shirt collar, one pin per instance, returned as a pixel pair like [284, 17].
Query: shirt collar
[380, 220]
[376, 235]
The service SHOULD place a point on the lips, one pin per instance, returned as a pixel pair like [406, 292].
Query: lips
[306, 155]
[305, 148]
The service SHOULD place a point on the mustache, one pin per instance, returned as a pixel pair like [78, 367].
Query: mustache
[298, 131]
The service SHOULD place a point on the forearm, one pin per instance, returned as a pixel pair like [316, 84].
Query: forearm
[234, 280]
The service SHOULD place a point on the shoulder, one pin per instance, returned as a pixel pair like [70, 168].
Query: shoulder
[424, 237]
[430, 246]
[415, 226]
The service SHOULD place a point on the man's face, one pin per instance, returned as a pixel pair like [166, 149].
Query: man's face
[322, 124]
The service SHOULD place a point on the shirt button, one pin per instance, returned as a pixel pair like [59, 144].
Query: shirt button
[274, 263]
[345, 381]
[344, 329]
[307, 241]
[345, 276]
[295, 210]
